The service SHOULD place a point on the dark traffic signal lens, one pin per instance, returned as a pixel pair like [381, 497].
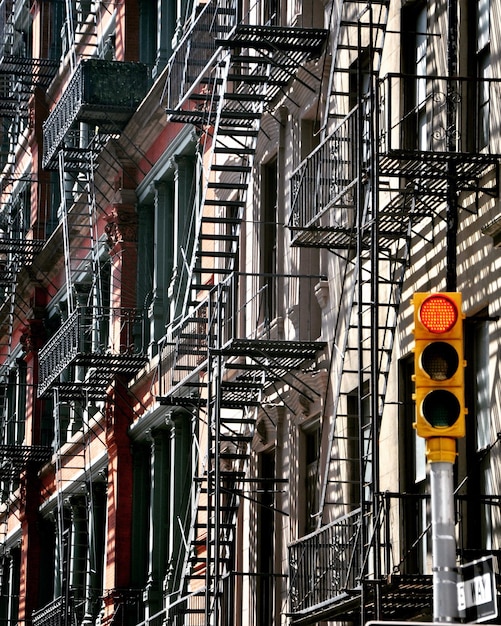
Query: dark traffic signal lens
[440, 360]
[441, 408]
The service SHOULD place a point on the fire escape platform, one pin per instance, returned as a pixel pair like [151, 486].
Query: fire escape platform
[25, 248]
[437, 167]
[294, 352]
[273, 38]
[322, 218]
[15, 458]
[253, 364]
[18, 77]
[100, 92]
[72, 346]
[283, 50]
[405, 597]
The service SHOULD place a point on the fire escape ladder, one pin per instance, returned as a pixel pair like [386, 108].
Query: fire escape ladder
[80, 33]
[230, 120]
[74, 502]
[225, 433]
[77, 217]
[221, 78]
[370, 241]
[237, 374]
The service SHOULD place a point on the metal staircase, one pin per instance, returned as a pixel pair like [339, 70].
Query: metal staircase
[222, 77]
[224, 386]
[95, 341]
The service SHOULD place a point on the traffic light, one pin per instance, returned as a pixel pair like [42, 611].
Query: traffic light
[439, 365]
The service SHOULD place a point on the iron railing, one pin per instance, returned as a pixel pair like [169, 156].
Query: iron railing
[105, 338]
[325, 566]
[326, 179]
[100, 91]
[326, 563]
[197, 50]
[248, 306]
[437, 113]
[56, 613]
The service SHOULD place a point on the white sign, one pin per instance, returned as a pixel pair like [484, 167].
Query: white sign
[474, 592]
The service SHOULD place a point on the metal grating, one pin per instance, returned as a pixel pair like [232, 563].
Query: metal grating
[15, 458]
[106, 93]
[18, 77]
[86, 339]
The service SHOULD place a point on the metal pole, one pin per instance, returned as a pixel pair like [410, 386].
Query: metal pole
[443, 542]
[451, 127]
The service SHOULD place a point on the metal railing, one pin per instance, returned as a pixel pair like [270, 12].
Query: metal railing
[90, 333]
[99, 90]
[325, 566]
[197, 50]
[56, 613]
[247, 306]
[325, 179]
[437, 113]
[326, 563]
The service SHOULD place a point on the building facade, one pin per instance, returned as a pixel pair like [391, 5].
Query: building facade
[213, 218]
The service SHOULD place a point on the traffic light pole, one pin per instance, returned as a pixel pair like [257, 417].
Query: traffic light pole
[443, 540]
[440, 419]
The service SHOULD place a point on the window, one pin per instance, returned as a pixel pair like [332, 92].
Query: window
[271, 12]
[414, 507]
[141, 496]
[359, 457]
[74, 553]
[15, 408]
[311, 478]
[414, 62]
[265, 533]
[55, 28]
[268, 238]
[482, 61]
[479, 437]
[9, 585]
[148, 32]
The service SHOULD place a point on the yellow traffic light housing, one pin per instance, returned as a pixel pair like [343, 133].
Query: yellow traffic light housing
[439, 365]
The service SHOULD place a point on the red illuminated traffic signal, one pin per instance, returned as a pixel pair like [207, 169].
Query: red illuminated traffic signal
[439, 365]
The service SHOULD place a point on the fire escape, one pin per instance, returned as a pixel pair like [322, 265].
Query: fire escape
[96, 342]
[219, 358]
[373, 192]
[20, 74]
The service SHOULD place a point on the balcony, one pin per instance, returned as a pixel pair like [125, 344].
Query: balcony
[435, 127]
[57, 613]
[14, 459]
[192, 67]
[326, 574]
[197, 50]
[326, 565]
[249, 335]
[91, 347]
[18, 77]
[103, 93]
[323, 190]
[417, 159]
